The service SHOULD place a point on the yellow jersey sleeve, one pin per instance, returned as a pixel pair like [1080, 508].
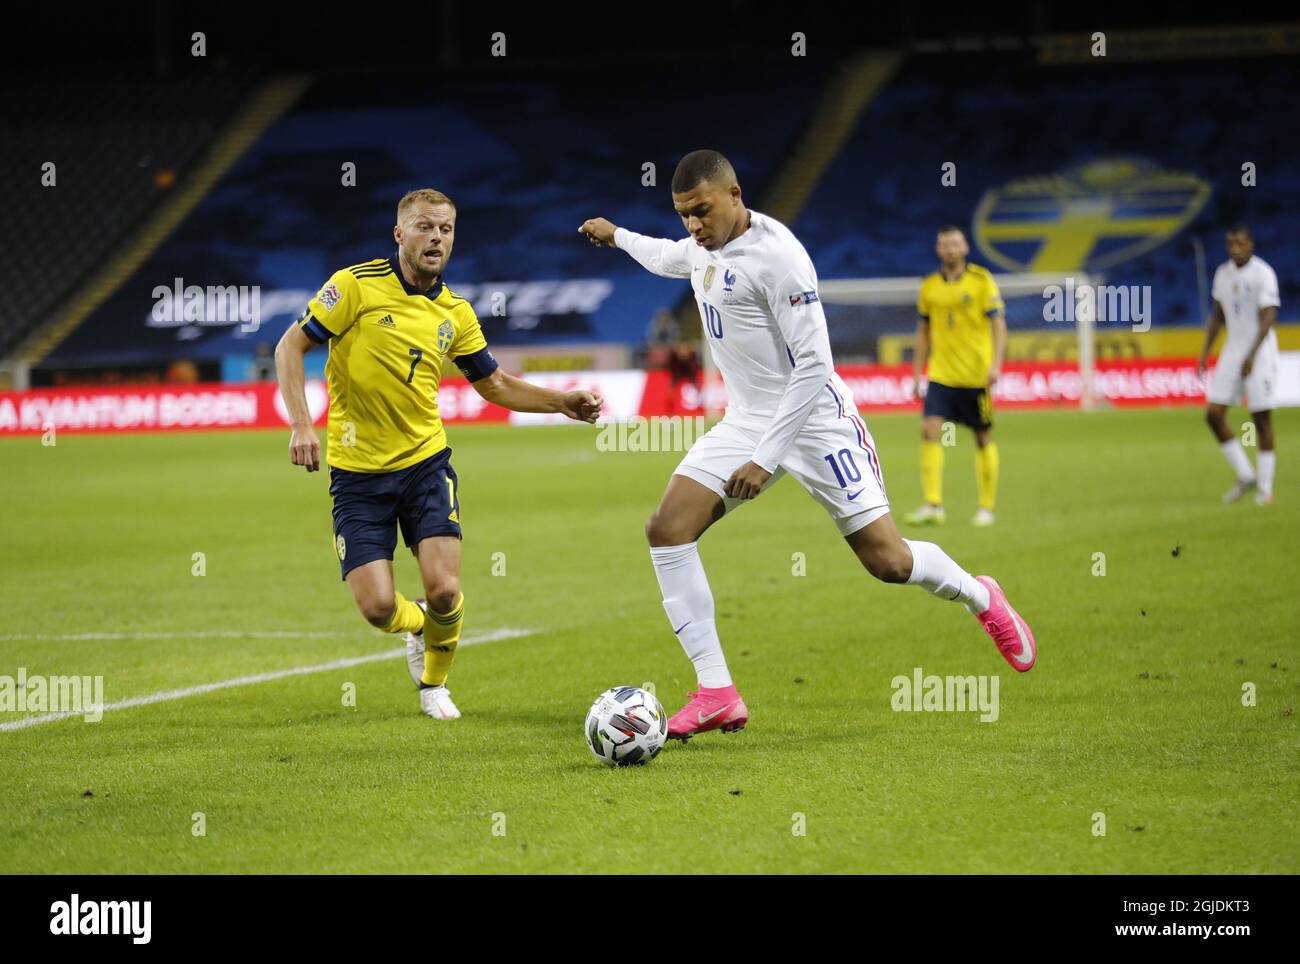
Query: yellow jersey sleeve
[922, 302]
[469, 335]
[469, 349]
[992, 297]
[335, 308]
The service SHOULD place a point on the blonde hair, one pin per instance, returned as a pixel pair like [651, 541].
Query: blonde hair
[422, 194]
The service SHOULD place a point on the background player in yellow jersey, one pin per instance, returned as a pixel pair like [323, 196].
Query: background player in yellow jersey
[962, 332]
[390, 323]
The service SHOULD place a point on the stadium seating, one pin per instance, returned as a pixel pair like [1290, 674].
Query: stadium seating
[109, 151]
[524, 165]
[527, 162]
[1002, 117]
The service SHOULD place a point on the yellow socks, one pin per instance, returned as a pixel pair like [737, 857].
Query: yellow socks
[441, 637]
[986, 474]
[932, 472]
[407, 617]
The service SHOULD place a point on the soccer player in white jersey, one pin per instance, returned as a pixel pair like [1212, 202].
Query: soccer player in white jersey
[787, 412]
[1246, 299]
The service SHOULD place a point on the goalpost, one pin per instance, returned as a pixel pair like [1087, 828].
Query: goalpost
[860, 311]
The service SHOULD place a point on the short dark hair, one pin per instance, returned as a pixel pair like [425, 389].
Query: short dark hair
[1239, 227]
[951, 228]
[699, 166]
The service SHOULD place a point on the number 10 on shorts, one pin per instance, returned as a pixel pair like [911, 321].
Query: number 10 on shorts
[843, 465]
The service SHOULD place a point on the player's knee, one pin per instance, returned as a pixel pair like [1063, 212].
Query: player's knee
[661, 531]
[443, 594]
[377, 611]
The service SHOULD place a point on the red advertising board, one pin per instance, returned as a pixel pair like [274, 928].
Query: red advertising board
[877, 388]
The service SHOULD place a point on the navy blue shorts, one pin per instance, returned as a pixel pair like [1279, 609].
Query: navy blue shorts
[369, 507]
[965, 406]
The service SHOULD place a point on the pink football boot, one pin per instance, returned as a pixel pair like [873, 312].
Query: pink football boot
[709, 709]
[1014, 638]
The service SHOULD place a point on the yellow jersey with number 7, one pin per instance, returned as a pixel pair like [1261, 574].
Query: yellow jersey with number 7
[387, 342]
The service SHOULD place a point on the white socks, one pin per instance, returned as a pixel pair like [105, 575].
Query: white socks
[1265, 463]
[1236, 456]
[934, 571]
[688, 601]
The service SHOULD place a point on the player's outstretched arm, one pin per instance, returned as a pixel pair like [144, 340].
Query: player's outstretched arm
[304, 446]
[518, 395]
[668, 259]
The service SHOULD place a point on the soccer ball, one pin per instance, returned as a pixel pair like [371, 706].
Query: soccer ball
[626, 725]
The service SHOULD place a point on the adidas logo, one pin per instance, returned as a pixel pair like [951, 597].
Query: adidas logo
[387, 322]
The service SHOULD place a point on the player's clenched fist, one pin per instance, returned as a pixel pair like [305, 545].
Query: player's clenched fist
[599, 231]
[304, 449]
[582, 406]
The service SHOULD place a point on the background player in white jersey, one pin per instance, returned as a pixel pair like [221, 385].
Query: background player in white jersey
[1246, 299]
[787, 412]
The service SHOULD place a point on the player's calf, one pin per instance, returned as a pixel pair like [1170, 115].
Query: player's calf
[882, 551]
[1216, 419]
[887, 563]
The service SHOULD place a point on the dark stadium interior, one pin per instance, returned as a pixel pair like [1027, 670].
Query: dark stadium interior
[532, 142]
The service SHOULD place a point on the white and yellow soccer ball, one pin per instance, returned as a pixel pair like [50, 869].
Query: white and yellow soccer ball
[626, 725]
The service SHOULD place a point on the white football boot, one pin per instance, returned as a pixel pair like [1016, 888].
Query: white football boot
[415, 650]
[927, 515]
[436, 701]
[1237, 491]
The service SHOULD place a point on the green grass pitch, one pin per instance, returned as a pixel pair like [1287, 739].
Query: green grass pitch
[1135, 709]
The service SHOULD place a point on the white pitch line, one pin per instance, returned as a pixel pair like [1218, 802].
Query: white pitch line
[166, 695]
[202, 634]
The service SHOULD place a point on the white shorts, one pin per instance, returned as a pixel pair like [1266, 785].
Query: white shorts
[1226, 384]
[834, 459]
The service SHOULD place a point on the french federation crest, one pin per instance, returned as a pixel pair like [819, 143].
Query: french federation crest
[1090, 216]
[445, 335]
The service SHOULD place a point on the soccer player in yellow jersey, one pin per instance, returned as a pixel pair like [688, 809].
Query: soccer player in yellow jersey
[390, 323]
[962, 332]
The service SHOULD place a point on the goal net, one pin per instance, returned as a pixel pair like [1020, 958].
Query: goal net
[873, 321]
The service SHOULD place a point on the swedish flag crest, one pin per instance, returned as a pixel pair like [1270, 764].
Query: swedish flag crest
[445, 335]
